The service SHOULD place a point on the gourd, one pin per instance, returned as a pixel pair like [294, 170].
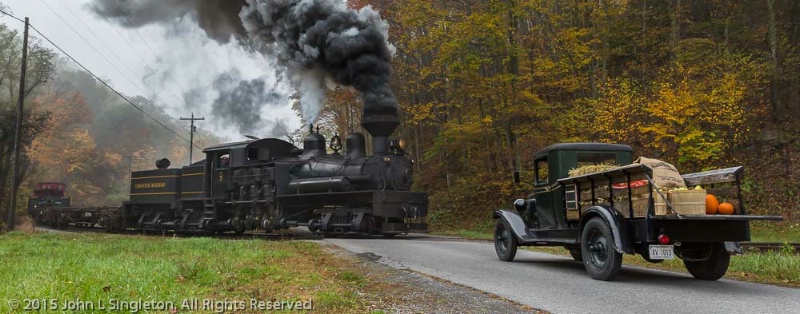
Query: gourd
[712, 204]
[725, 209]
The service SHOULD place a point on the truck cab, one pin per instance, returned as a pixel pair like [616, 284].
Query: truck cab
[609, 206]
[554, 162]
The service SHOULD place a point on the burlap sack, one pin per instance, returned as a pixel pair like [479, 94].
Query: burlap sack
[665, 175]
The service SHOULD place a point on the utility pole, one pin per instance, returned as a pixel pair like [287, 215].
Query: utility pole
[18, 134]
[130, 176]
[192, 129]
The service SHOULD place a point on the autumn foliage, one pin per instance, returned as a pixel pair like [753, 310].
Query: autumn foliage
[484, 84]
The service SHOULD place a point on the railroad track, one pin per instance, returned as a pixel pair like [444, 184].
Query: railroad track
[770, 246]
[277, 236]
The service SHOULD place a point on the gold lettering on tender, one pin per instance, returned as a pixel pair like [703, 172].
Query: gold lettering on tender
[150, 185]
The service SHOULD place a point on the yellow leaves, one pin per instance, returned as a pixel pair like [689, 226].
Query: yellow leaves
[421, 112]
[690, 114]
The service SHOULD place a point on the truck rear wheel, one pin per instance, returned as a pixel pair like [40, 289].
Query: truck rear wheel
[601, 259]
[712, 268]
[505, 242]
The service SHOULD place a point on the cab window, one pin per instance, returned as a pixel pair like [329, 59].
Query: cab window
[540, 167]
[223, 161]
[586, 159]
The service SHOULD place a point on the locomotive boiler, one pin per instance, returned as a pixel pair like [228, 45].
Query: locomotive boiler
[269, 184]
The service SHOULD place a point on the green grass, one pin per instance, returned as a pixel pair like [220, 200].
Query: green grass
[775, 231]
[105, 267]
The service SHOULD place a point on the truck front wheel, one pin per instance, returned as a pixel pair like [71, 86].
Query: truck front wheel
[601, 259]
[505, 242]
[712, 268]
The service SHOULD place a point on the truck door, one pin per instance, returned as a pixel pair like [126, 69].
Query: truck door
[545, 197]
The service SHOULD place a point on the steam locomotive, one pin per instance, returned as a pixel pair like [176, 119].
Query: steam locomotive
[269, 184]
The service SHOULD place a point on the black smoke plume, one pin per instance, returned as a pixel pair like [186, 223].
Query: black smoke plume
[323, 37]
[218, 18]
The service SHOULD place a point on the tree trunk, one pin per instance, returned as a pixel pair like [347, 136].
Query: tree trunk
[675, 29]
[772, 37]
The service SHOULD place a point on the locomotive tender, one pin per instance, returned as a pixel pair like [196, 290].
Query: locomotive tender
[269, 184]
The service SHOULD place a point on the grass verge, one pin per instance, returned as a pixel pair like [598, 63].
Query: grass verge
[97, 269]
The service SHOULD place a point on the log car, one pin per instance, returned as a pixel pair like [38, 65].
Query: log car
[600, 216]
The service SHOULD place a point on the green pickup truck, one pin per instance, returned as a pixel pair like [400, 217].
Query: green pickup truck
[600, 216]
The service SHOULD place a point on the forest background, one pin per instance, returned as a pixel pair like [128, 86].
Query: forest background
[482, 85]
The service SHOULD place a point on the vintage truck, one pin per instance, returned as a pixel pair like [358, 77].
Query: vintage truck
[600, 216]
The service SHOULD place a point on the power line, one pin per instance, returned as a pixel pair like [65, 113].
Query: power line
[91, 46]
[12, 16]
[125, 14]
[116, 29]
[106, 84]
[98, 38]
[98, 78]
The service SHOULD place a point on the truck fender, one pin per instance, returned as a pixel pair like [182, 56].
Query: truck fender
[615, 220]
[516, 223]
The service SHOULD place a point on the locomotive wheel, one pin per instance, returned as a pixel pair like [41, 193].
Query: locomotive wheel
[505, 242]
[601, 259]
[239, 227]
[712, 268]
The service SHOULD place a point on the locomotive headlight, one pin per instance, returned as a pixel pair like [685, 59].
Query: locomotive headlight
[397, 146]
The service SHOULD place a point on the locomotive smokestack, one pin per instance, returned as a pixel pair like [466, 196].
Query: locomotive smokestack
[380, 126]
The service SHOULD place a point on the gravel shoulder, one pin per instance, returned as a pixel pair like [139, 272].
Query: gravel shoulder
[395, 289]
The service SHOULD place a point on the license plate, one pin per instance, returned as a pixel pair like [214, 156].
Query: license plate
[661, 252]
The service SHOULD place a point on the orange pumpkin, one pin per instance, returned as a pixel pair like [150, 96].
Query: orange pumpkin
[712, 204]
[725, 209]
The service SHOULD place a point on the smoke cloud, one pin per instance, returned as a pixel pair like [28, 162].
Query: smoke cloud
[315, 40]
[239, 101]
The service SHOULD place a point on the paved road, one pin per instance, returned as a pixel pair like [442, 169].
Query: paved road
[561, 285]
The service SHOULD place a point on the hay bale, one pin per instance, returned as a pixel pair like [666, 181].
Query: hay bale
[589, 169]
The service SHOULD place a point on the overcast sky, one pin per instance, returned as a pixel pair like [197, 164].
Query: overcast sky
[163, 63]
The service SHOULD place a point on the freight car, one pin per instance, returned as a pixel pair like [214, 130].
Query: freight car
[49, 206]
[269, 184]
[47, 194]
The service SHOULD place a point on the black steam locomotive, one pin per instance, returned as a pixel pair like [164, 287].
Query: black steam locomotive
[269, 184]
